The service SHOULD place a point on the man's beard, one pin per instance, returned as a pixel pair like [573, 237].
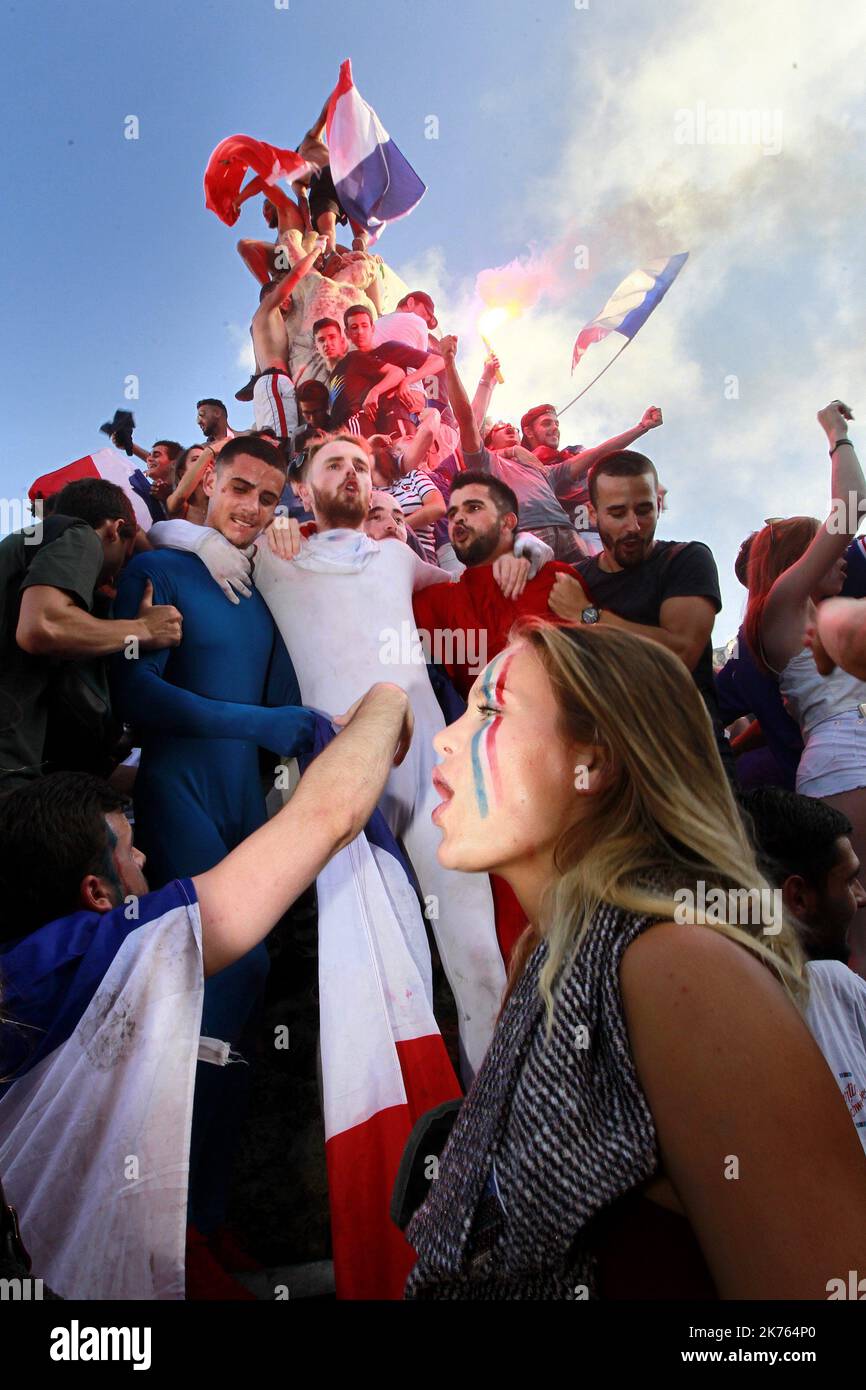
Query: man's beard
[479, 549]
[343, 510]
[628, 559]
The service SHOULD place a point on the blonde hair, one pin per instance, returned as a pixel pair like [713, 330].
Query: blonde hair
[666, 818]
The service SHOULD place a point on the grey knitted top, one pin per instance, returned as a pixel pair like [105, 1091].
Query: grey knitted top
[553, 1131]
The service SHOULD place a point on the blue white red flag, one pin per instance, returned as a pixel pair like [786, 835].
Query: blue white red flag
[384, 1063]
[102, 1014]
[631, 303]
[106, 463]
[375, 183]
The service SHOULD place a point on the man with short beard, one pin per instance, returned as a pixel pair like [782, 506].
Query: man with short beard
[665, 590]
[482, 523]
[213, 420]
[343, 606]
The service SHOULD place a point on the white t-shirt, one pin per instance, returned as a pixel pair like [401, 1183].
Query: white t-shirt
[401, 328]
[837, 1020]
[346, 631]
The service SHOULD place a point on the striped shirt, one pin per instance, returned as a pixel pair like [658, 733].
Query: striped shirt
[412, 491]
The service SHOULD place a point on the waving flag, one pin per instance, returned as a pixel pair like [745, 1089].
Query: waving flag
[228, 165]
[374, 182]
[384, 1063]
[631, 303]
[114, 468]
[95, 1125]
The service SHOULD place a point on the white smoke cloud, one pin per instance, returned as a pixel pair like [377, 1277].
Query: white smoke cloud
[767, 320]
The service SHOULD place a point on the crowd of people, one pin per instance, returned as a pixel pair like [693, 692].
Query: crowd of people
[662, 1098]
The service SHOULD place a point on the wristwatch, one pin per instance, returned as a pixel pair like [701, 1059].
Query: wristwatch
[590, 615]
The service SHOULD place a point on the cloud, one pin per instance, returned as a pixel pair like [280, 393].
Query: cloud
[242, 345]
[766, 322]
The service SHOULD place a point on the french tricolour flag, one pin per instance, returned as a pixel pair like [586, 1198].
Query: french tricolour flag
[374, 182]
[631, 303]
[384, 1063]
[106, 463]
[102, 1014]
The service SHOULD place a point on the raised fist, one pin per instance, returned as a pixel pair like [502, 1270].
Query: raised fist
[652, 418]
[448, 347]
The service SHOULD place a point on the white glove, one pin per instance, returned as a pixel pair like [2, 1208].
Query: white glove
[537, 552]
[229, 567]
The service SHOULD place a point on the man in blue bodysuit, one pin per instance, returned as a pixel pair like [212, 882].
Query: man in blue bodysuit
[201, 711]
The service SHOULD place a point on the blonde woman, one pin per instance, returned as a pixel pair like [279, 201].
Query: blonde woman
[652, 1118]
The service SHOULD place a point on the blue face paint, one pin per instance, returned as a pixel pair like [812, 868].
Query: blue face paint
[486, 695]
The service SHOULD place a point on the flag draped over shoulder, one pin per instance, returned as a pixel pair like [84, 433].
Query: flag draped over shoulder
[95, 1126]
[631, 303]
[384, 1063]
[374, 181]
[108, 464]
[228, 165]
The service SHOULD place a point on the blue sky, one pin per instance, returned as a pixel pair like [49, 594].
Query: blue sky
[556, 129]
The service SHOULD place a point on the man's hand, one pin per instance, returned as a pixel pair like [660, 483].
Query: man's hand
[568, 598]
[378, 691]
[490, 370]
[228, 566]
[511, 575]
[651, 418]
[833, 420]
[161, 488]
[371, 402]
[162, 622]
[448, 347]
[284, 537]
[825, 666]
[408, 395]
[521, 455]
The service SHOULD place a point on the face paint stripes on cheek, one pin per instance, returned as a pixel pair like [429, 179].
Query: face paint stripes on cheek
[485, 755]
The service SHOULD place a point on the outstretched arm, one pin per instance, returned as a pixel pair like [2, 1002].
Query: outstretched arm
[470, 438]
[432, 365]
[146, 699]
[579, 464]
[783, 618]
[280, 293]
[333, 802]
[51, 623]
